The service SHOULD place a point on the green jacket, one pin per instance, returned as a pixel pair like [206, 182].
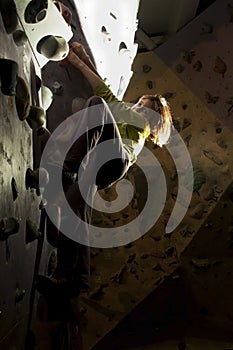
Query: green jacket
[133, 127]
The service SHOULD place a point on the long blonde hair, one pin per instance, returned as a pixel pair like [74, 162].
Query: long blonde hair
[161, 131]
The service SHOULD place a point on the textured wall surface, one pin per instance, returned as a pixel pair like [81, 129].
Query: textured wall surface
[17, 256]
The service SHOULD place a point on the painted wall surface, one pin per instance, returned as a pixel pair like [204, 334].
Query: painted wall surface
[110, 31]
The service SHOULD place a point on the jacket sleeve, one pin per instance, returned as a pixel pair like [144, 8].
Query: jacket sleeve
[122, 113]
[103, 91]
[133, 127]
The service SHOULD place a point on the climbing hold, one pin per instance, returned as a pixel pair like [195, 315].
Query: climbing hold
[120, 275]
[179, 68]
[220, 66]
[229, 101]
[155, 236]
[36, 117]
[156, 253]
[46, 97]
[57, 88]
[198, 211]
[176, 124]
[9, 15]
[34, 178]
[131, 258]
[157, 267]
[43, 204]
[210, 195]
[218, 130]
[187, 122]
[19, 37]
[221, 143]
[132, 270]
[113, 16]
[14, 189]
[168, 95]
[146, 68]
[65, 12]
[35, 11]
[150, 84]
[188, 56]
[201, 263]
[212, 156]
[22, 99]
[19, 294]
[208, 225]
[8, 76]
[38, 82]
[128, 245]
[170, 251]
[8, 227]
[207, 28]
[187, 139]
[210, 98]
[32, 231]
[55, 48]
[197, 66]
[97, 293]
[114, 220]
[186, 231]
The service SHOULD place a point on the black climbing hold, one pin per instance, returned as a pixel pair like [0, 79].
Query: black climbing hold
[8, 227]
[9, 15]
[14, 188]
[8, 76]
[32, 232]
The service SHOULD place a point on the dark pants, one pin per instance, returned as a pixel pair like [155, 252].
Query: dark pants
[73, 257]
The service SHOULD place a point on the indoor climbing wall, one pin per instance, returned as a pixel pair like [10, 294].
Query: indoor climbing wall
[207, 266]
[24, 250]
[193, 71]
[187, 72]
[18, 145]
[110, 32]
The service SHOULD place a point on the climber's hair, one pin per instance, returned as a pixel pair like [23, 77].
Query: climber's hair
[161, 132]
